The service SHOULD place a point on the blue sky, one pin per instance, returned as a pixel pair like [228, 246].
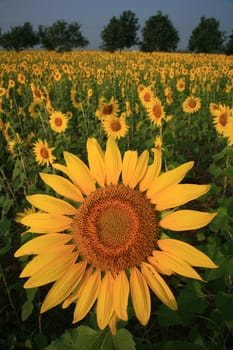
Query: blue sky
[93, 15]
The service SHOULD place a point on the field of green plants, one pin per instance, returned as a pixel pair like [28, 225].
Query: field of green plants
[180, 104]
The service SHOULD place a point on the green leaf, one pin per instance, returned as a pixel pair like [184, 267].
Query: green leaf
[224, 303]
[83, 338]
[123, 340]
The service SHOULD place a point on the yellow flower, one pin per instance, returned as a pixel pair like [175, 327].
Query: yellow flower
[222, 115]
[107, 109]
[191, 104]
[43, 153]
[58, 121]
[156, 111]
[115, 126]
[105, 247]
[145, 95]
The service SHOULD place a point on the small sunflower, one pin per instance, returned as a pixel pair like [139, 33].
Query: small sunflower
[115, 126]
[43, 153]
[222, 115]
[58, 121]
[106, 247]
[146, 95]
[107, 109]
[191, 104]
[36, 108]
[180, 85]
[156, 111]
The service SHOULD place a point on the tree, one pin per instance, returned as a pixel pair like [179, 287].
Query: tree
[61, 36]
[206, 37]
[19, 38]
[229, 45]
[120, 32]
[159, 34]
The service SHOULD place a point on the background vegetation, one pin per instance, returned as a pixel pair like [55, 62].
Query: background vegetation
[157, 34]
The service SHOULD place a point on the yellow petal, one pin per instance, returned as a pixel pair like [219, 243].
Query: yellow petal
[46, 223]
[62, 186]
[140, 169]
[76, 294]
[52, 271]
[176, 264]
[63, 287]
[62, 168]
[113, 323]
[113, 163]
[96, 161]
[51, 204]
[120, 295]
[39, 244]
[128, 166]
[176, 195]
[79, 173]
[104, 307]
[186, 252]
[159, 267]
[152, 172]
[183, 220]
[158, 285]
[140, 296]
[88, 296]
[170, 177]
[42, 260]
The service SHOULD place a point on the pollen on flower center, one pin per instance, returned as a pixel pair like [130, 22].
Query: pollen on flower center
[116, 126]
[115, 228]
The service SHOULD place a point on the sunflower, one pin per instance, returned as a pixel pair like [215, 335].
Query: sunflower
[156, 111]
[58, 121]
[228, 132]
[191, 104]
[107, 109]
[145, 95]
[115, 126]
[43, 153]
[222, 115]
[105, 247]
[36, 108]
[180, 85]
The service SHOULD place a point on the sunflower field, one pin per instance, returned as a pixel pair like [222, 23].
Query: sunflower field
[73, 124]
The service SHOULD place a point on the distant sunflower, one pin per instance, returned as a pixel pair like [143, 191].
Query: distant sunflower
[191, 104]
[115, 126]
[36, 108]
[43, 154]
[180, 85]
[146, 95]
[107, 109]
[58, 121]
[156, 111]
[222, 115]
[105, 247]
[2, 91]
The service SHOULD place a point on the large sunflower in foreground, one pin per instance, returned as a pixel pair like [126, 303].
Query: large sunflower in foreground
[102, 244]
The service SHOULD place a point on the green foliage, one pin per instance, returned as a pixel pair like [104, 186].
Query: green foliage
[206, 37]
[120, 32]
[19, 38]
[159, 34]
[229, 45]
[86, 338]
[61, 36]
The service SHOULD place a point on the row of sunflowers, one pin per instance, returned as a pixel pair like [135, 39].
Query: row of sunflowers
[112, 247]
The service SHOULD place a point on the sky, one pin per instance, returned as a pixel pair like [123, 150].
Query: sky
[93, 15]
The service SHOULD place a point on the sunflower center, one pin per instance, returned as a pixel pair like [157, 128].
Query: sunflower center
[147, 97]
[115, 228]
[44, 153]
[115, 125]
[107, 109]
[223, 119]
[157, 111]
[58, 121]
[192, 103]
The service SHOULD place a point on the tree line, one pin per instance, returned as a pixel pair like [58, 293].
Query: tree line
[157, 34]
